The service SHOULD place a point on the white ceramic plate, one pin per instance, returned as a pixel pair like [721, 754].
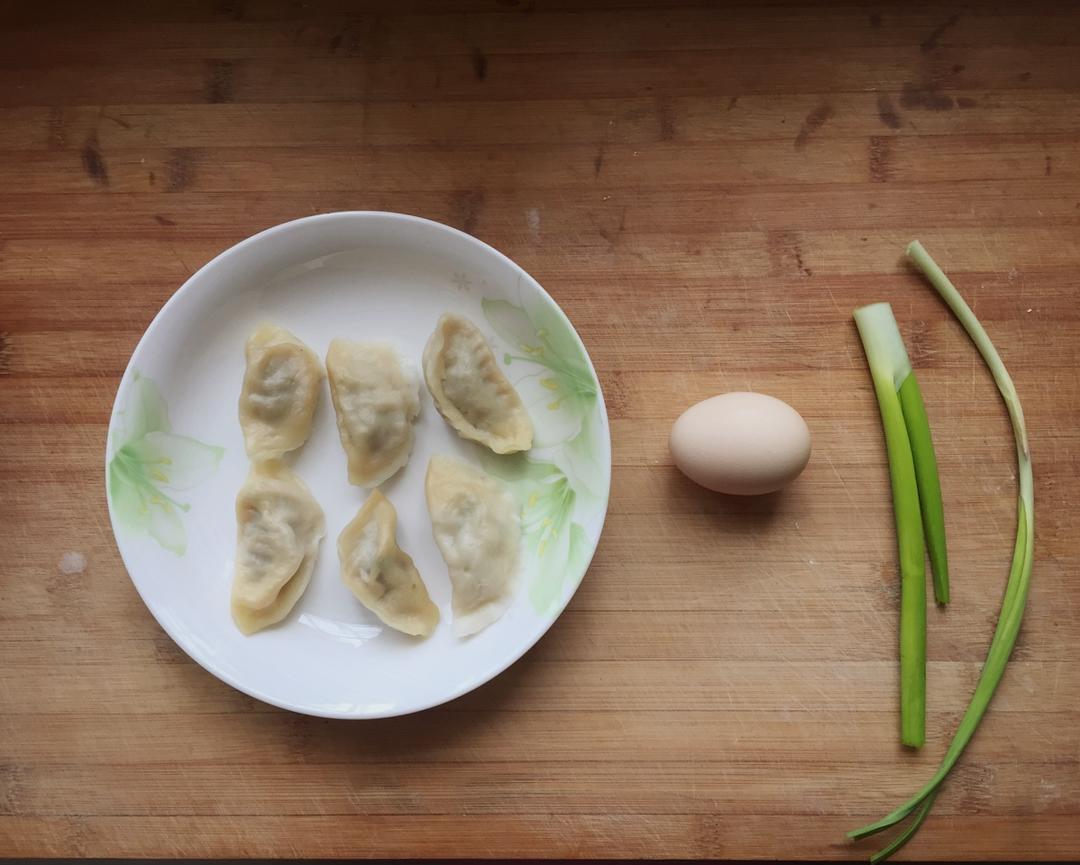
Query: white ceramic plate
[176, 459]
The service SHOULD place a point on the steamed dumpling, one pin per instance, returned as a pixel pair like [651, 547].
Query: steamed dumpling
[477, 527]
[470, 390]
[381, 574]
[279, 394]
[278, 528]
[376, 399]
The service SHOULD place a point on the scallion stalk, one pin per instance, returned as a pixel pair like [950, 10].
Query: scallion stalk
[1016, 589]
[889, 370]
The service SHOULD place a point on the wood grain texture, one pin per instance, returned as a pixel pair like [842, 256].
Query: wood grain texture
[708, 191]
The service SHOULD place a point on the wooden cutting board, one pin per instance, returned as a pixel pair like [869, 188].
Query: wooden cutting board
[708, 193]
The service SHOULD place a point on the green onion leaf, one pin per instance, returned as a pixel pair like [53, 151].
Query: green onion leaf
[890, 369]
[926, 473]
[1016, 589]
[908, 833]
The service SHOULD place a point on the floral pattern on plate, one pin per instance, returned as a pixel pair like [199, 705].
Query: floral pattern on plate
[560, 482]
[149, 462]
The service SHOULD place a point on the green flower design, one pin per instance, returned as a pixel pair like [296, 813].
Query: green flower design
[567, 389]
[562, 394]
[558, 544]
[148, 459]
[559, 387]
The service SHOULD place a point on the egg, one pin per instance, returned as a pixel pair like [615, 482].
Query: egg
[741, 443]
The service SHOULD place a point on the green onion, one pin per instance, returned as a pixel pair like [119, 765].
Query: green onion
[909, 831]
[890, 369]
[926, 473]
[1016, 589]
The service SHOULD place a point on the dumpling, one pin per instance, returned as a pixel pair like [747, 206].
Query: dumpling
[279, 394]
[381, 574]
[376, 399]
[477, 527]
[470, 390]
[278, 528]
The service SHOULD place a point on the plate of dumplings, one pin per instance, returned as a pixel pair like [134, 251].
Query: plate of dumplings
[358, 464]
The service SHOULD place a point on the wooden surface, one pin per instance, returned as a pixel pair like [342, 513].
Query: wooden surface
[708, 193]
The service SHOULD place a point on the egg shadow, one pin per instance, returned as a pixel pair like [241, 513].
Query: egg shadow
[733, 513]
